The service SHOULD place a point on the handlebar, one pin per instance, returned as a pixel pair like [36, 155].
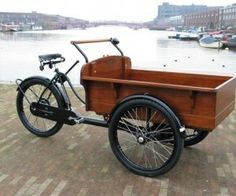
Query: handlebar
[114, 42]
[90, 41]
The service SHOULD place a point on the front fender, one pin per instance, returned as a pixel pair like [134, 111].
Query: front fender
[180, 127]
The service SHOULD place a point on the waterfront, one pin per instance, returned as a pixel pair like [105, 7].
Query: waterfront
[78, 159]
[147, 49]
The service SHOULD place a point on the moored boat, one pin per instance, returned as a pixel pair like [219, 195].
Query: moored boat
[9, 28]
[188, 36]
[210, 42]
[230, 43]
[174, 36]
[217, 34]
[184, 36]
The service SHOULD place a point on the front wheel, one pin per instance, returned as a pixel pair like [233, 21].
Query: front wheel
[144, 137]
[31, 91]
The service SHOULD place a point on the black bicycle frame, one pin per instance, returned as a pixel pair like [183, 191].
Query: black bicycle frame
[61, 78]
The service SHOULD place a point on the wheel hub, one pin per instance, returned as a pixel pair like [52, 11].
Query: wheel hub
[44, 101]
[141, 140]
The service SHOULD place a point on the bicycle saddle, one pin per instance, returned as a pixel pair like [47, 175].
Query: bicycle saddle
[49, 57]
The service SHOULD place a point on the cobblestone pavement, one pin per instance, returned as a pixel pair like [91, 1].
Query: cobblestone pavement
[78, 161]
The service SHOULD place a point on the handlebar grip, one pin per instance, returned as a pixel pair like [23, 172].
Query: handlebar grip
[90, 41]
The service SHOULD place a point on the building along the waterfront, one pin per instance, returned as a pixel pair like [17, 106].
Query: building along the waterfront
[167, 10]
[37, 21]
[228, 17]
[174, 21]
[208, 19]
[17, 18]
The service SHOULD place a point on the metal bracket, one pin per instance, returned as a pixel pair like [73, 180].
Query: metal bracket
[182, 129]
[18, 83]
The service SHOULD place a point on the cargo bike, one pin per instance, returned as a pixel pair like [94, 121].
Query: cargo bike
[150, 115]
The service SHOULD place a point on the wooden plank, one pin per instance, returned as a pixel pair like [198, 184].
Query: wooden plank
[197, 80]
[148, 84]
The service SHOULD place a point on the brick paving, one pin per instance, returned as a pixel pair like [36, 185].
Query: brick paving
[78, 161]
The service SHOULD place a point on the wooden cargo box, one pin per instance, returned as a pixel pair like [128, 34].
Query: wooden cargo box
[200, 101]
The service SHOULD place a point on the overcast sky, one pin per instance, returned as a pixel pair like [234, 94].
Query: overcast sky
[93, 10]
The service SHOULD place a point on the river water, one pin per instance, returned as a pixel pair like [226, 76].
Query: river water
[147, 50]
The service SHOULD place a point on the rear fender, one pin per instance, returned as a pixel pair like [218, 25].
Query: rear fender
[46, 80]
[24, 82]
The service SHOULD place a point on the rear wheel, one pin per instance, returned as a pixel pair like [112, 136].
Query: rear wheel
[31, 92]
[194, 136]
[144, 137]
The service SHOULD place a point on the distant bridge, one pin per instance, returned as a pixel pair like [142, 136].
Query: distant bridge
[117, 23]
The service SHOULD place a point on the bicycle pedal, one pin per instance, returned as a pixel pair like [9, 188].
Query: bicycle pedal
[77, 120]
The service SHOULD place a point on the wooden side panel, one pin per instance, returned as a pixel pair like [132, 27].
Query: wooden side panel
[197, 80]
[102, 97]
[195, 110]
[225, 100]
[115, 67]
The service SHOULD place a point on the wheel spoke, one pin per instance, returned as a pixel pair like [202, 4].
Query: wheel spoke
[29, 115]
[155, 157]
[134, 121]
[37, 122]
[129, 124]
[138, 119]
[128, 129]
[33, 92]
[165, 147]
[145, 157]
[160, 124]
[130, 141]
[161, 130]
[44, 124]
[167, 140]
[152, 117]
[34, 121]
[162, 157]
[125, 148]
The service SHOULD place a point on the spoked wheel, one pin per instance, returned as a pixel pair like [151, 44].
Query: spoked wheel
[144, 137]
[30, 92]
[194, 136]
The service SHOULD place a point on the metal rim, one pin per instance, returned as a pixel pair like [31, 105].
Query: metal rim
[145, 137]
